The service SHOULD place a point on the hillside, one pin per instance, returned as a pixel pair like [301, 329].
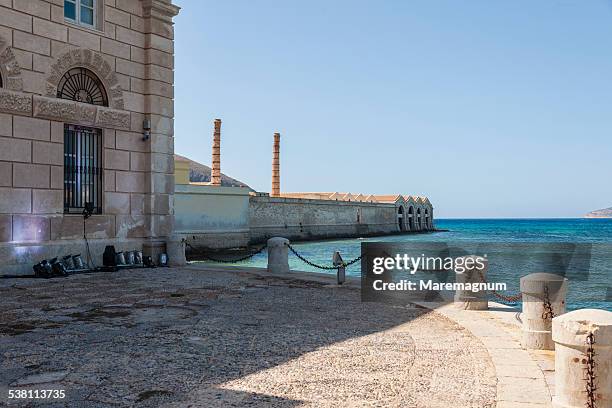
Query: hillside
[604, 213]
[201, 173]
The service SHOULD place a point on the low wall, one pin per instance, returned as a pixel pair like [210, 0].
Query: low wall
[309, 219]
[212, 217]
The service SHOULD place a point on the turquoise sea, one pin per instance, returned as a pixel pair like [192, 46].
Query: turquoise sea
[590, 282]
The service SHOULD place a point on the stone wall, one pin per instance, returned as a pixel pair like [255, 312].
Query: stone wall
[215, 217]
[306, 219]
[131, 52]
[212, 216]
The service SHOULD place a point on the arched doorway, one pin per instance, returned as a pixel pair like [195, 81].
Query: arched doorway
[419, 219]
[400, 218]
[427, 225]
[411, 218]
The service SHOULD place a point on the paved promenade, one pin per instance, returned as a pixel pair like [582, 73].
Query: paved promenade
[204, 338]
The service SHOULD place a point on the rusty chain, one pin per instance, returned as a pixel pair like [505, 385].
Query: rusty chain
[590, 371]
[547, 313]
[209, 258]
[506, 298]
[323, 267]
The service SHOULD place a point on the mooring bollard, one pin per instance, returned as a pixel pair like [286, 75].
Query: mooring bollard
[543, 299]
[278, 255]
[474, 272]
[339, 262]
[175, 248]
[583, 359]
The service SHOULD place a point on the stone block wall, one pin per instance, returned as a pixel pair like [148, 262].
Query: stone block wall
[131, 52]
[306, 219]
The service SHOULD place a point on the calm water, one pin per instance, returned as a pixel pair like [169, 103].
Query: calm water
[590, 290]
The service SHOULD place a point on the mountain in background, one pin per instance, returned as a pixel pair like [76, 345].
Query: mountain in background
[604, 213]
[201, 173]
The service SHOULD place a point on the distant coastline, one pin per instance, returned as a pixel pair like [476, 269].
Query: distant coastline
[603, 213]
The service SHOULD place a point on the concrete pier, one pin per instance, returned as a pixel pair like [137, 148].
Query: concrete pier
[543, 298]
[583, 359]
[278, 255]
[176, 251]
[467, 299]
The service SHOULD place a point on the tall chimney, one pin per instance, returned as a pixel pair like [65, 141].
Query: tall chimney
[215, 172]
[276, 166]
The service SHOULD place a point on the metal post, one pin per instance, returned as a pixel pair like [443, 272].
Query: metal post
[339, 262]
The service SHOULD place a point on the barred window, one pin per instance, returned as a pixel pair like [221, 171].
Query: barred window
[82, 169]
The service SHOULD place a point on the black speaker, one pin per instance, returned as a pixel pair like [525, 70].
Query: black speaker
[110, 256]
[42, 269]
[88, 210]
[148, 262]
[57, 268]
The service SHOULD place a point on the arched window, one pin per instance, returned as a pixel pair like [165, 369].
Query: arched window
[82, 85]
[400, 218]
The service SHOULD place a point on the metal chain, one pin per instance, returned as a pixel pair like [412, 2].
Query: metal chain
[347, 264]
[244, 258]
[590, 371]
[327, 268]
[506, 298]
[548, 312]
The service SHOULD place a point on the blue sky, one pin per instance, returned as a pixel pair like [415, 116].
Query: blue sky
[491, 109]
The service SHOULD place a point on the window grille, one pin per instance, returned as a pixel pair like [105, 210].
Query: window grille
[82, 169]
[82, 85]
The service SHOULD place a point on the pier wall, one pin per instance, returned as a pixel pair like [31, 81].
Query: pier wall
[211, 216]
[306, 219]
[218, 217]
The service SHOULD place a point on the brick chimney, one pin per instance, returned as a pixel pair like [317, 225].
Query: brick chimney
[215, 172]
[276, 166]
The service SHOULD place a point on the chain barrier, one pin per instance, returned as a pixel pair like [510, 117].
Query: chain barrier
[548, 312]
[505, 298]
[326, 268]
[590, 371]
[228, 261]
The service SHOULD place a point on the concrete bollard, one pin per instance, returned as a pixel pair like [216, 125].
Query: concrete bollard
[278, 255]
[474, 273]
[175, 248]
[537, 305]
[574, 384]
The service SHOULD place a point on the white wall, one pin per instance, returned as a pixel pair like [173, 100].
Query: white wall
[218, 217]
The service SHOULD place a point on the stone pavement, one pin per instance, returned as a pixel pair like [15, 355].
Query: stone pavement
[524, 378]
[197, 337]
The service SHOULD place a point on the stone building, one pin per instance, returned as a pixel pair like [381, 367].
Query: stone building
[86, 120]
